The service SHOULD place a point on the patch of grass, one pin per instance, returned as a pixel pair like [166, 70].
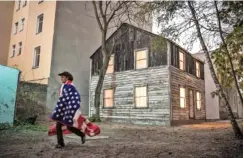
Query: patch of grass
[24, 129]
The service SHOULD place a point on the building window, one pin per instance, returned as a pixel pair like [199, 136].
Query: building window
[13, 51]
[108, 98]
[20, 48]
[141, 59]
[24, 3]
[22, 24]
[182, 97]
[197, 69]
[16, 27]
[141, 97]
[110, 68]
[18, 5]
[36, 59]
[198, 101]
[40, 1]
[182, 61]
[39, 23]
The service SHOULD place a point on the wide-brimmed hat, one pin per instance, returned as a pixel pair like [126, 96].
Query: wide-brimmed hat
[66, 74]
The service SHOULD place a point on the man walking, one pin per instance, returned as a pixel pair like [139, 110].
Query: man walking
[66, 112]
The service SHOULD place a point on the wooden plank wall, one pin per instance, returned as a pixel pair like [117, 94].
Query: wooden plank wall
[178, 79]
[156, 79]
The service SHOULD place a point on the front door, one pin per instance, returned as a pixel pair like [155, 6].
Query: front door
[191, 104]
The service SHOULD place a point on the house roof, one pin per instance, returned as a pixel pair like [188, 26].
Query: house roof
[147, 32]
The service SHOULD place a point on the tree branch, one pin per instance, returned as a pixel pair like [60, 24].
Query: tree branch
[97, 16]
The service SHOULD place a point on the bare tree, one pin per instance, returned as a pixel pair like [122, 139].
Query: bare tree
[108, 14]
[194, 23]
[233, 121]
[227, 51]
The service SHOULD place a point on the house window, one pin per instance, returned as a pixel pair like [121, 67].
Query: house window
[22, 24]
[141, 97]
[24, 3]
[39, 23]
[110, 68]
[220, 78]
[182, 61]
[36, 59]
[20, 48]
[13, 51]
[108, 98]
[182, 97]
[197, 69]
[198, 101]
[18, 5]
[16, 27]
[141, 59]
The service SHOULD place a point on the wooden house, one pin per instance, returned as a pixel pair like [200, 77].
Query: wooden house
[144, 85]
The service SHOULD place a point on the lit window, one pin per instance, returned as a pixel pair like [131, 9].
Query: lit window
[36, 59]
[198, 101]
[220, 78]
[13, 51]
[22, 24]
[182, 97]
[20, 48]
[108, 98]
[39, 25]
[16, 27]
[18, 5]
[110, 68]
[141, 59]
[197, 69]
[182, 61]
[141, 97]
[24, 3]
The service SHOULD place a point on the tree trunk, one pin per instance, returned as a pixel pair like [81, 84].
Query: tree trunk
[234, 124]
[102, 73]
[228, 53]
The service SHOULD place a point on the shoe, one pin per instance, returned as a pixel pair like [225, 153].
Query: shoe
[83, 139]
[59, 146]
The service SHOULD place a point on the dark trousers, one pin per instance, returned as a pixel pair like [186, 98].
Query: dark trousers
[71, 129]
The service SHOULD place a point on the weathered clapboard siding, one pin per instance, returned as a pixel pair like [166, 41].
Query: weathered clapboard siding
[155, 78]
[179, 78]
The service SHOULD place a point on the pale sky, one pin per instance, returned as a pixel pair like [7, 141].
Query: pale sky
[195, 49]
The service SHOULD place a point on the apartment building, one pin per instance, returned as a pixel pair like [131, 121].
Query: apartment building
[6, 22]
[49, 37]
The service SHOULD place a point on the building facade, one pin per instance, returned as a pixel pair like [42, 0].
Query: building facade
[6, 17]
[49, 37]
[146, 85]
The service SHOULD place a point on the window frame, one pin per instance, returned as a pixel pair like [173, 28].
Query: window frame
[22, 24]
[34, 66]
[197, 100]
[38, 23]
[20, 48]
[135, 58]
[40, 1]
[16, 27]
[183, 61]
[13, 50]
[106, 107]
[24, 4]
[135, 97]
[112, 59]
[18, 5]
[198, 70]
[180, 97]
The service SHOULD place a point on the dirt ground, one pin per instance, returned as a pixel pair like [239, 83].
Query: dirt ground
[208, 140]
